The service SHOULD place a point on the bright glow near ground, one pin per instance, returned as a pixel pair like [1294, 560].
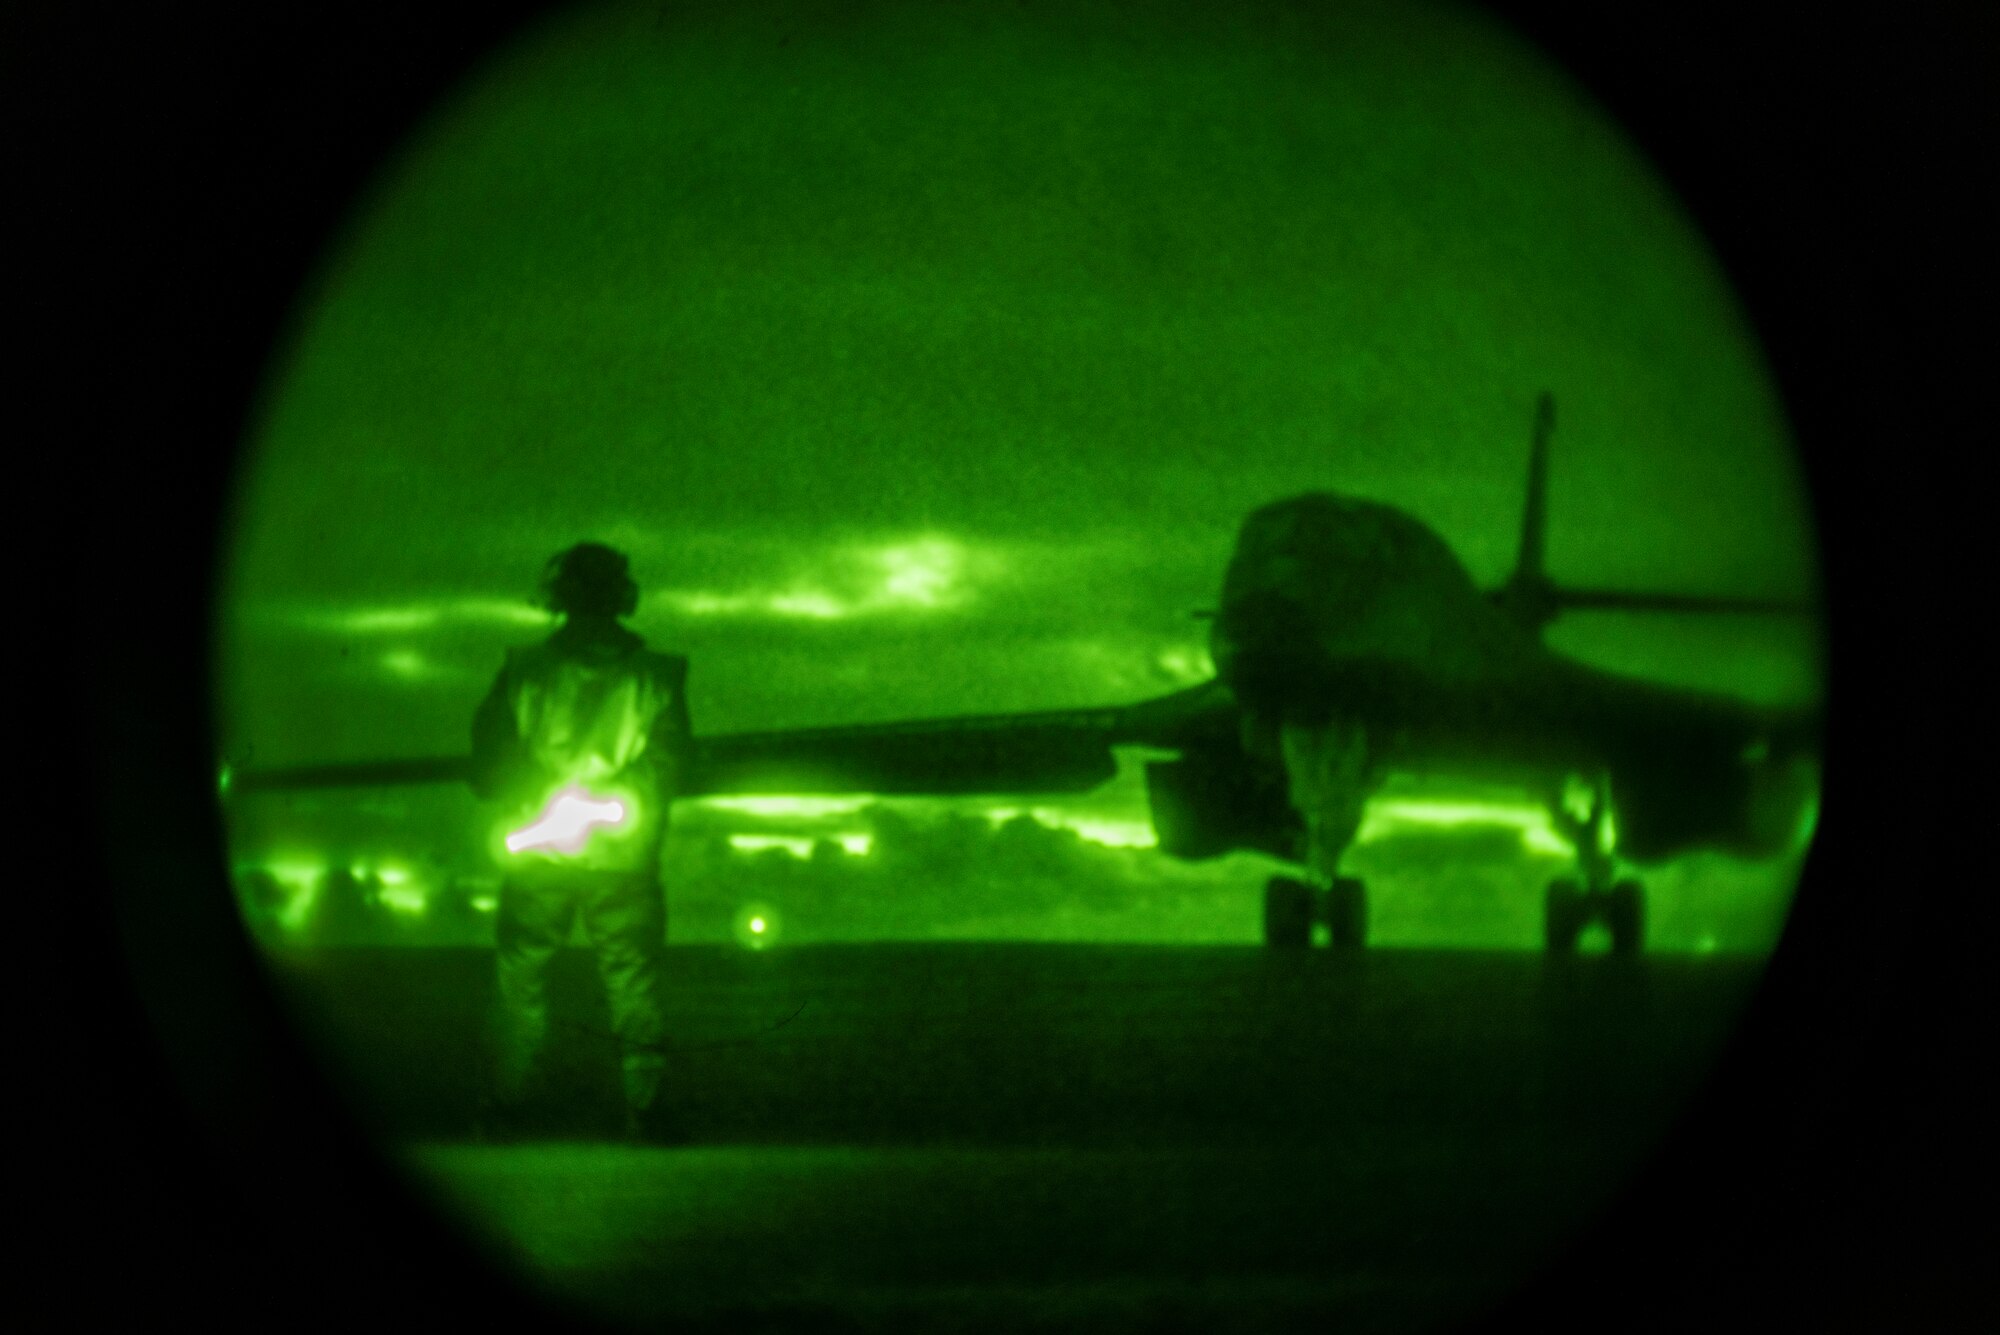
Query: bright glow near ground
[1445, 867]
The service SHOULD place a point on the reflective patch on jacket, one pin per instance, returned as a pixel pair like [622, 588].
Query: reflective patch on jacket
[606, 716]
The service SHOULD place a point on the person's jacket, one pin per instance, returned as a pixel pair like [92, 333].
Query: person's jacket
[592, 708]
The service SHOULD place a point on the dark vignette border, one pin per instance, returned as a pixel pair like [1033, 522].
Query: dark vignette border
[190, 167]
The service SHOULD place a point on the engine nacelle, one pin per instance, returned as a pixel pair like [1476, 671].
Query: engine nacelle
[1755, 798]
[1209, 803]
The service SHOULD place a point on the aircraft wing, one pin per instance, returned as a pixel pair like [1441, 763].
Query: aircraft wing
[405, 772]
[1053, 751]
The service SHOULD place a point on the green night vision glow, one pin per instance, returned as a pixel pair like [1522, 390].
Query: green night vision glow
[567, 822]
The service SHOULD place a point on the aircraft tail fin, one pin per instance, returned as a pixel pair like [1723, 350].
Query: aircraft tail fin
[1527, 596]
[1533, 600]
[1534, 515]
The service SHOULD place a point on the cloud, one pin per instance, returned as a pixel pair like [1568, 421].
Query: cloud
[413, 667]
[847, 580]
[396, 618]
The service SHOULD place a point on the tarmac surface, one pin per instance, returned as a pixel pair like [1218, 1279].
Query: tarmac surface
[1048, 1137]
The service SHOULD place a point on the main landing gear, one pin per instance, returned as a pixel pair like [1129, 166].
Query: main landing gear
[1572, 904]
[1291, 907]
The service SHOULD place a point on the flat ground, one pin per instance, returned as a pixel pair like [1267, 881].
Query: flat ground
[1014, 1136]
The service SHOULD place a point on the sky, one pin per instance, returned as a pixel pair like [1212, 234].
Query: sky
[925, 359]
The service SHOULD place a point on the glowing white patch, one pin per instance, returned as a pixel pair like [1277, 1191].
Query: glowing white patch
[566, 822]
[858, 845]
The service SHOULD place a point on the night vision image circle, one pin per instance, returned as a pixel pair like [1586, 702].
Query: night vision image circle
[996, 661]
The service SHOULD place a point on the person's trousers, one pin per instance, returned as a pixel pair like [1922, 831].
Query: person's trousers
[624, 921]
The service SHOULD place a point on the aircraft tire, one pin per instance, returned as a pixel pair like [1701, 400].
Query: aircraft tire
[1625, 915]
[1288, 913]
[1563, 914]
[1347, 914]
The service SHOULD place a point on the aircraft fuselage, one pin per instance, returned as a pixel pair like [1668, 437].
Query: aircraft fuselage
[1346, 613]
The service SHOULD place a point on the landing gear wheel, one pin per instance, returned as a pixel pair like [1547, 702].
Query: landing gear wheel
[1563, 916]
[1288, 913]
[1625, 915]
[1347, 914]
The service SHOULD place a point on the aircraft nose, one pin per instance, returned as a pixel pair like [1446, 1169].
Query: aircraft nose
[1252, 623]
[1260, 645]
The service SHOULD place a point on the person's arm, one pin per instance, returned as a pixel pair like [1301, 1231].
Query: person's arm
[496, 747]
[673, 732]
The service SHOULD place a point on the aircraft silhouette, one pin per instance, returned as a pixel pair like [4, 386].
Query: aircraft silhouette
[1349, 644]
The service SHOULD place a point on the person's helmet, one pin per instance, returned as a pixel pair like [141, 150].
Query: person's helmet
[591, 579]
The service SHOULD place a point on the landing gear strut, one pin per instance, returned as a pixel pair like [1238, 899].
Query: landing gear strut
[1291, 907]
[1572, 905]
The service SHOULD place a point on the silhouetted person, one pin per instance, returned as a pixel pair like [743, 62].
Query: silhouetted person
[592, 711]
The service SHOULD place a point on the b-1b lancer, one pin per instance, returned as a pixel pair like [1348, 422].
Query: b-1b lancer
[1350, 644]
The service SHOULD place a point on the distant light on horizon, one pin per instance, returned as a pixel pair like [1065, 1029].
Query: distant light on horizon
[408, 900]
[757, 925]
[804, 808]
[1096, 829]
[1388, 817]
[797, 845]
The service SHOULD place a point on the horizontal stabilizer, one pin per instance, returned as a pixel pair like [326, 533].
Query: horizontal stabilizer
[1066, 751]
[366, 774]
[1619, 600]
[1027, 760]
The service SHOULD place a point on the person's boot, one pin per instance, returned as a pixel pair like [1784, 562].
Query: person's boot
[657, 1124]
[501, 1123]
